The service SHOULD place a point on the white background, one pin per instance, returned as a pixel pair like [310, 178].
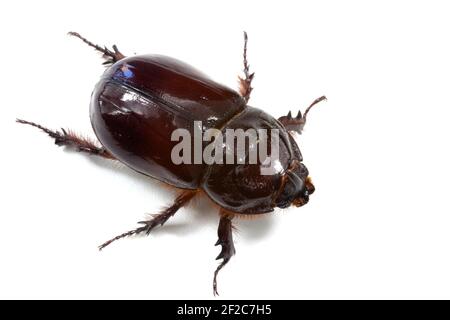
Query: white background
[378, 225]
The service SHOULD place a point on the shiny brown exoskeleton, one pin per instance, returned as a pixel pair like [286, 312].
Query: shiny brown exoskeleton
[141, 100]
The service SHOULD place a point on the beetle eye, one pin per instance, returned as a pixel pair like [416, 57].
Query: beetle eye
[309, 186]
[291, 188]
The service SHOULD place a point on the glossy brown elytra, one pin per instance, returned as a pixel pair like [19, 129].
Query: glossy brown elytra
[141, 100]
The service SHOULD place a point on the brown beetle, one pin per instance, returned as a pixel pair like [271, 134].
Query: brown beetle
[141, 100]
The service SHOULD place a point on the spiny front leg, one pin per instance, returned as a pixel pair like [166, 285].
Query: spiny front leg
[225, 233]
[110, 56]
[245, 84]
[298, 123]
[71, 139]
[158, 219]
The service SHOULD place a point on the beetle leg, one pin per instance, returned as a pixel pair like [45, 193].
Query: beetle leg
[225, 233]
[245, 84]
[71, 139]
[158, 219]
[298, 123]
[111, 56]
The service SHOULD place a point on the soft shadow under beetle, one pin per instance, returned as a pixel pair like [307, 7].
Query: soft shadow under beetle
[140, 101]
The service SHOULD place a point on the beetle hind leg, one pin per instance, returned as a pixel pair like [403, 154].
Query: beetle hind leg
[157, 219]
[70, 139]
[111, 56]
[225, 234]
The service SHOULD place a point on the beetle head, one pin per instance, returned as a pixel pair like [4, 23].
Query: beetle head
[296, 187]
[303, 197]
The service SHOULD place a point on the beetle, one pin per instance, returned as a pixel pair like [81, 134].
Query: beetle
[138, 103]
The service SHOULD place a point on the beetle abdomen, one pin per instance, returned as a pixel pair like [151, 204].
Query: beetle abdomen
[141, 100]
